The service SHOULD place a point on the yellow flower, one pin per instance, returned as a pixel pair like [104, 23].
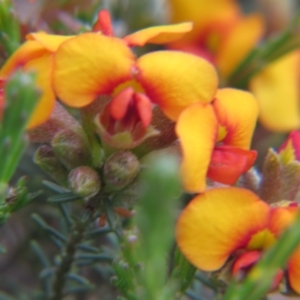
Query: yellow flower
[220, 31]
[224, 36]
[36, 55]
[215, 138]
[234, 222]
[94, 64]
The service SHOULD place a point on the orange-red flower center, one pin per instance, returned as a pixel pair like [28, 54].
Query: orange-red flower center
[129, 104]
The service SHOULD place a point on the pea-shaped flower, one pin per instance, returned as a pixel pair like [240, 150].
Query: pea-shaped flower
[234, 222]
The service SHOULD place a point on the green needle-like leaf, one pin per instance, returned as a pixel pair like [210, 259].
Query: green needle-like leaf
[9, 27]
[20, 100]
[266, 53]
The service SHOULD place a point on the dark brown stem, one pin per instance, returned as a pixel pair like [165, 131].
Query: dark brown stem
[68, 255]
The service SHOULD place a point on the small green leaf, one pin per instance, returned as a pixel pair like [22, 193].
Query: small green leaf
[267, 52]
[9, 27]
[183, 271]
[20, 100]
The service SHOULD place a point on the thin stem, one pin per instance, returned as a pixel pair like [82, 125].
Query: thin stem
[68, 257]
[89, 128]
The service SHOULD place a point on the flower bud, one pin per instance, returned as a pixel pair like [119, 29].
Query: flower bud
[84, 181]
[46, 159]
[280, 176]
[120, 169]
[71, 149]
[271, 182]
[122, 134]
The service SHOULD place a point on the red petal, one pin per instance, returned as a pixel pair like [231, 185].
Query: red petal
[228, 163]
[245, 260]
[103, 23]
[144, 108]
[119, 104]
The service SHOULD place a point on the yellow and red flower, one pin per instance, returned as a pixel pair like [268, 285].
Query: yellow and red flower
[36, 55]
[215, 138]
[99, 64]
[104, 65]
[221, 32]
[234, 222]
[181, 84]
[223, 35]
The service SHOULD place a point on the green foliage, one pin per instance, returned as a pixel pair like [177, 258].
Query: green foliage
[149, 266]
[142, 272]
[20, 100]
[183, 271]
[264, 54]
[62, 276]
[16, 198]
[9, 27]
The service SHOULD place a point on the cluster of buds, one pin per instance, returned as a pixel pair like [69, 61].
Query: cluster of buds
[65, 155]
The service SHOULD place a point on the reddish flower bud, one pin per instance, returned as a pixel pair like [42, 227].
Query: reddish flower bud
[84, 181]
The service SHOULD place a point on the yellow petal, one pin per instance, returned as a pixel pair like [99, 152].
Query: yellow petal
[236, 111]
[49, 41]
[202, 13]
[240, 41]
[277, 90]
[174, 80]
[218, 222]
[43, 67]
[197, 131]
[26, 52]
[89, 65]
[158, 34]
